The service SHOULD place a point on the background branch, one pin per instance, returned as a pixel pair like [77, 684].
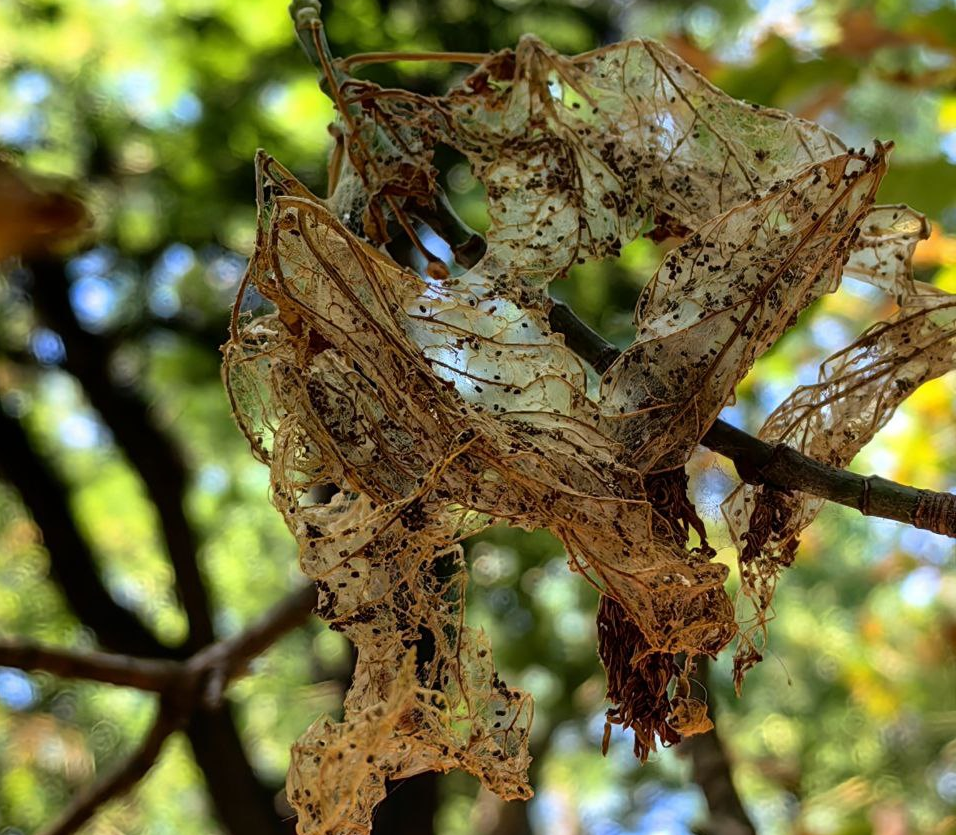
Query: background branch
[71, 560]
[224, 660]
[150, 450]
[120, 781]
[711, 769]
[109, 668]
[228, 658]
[242, 803]
[191, 694]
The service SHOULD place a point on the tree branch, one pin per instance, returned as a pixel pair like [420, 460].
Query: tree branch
[242, 803]
[71, 559]
[121, 780]
[218, 663]
[781, 466]
[150, 451]
[712, 771]
[191, 698]
[212, 732]
[110, 668]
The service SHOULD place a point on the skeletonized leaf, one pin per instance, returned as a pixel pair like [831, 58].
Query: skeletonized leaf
[435, 403]
[434, 413]
[576, 154]
[725, 295]
[858, 391]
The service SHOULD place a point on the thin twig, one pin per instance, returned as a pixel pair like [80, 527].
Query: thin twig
[782, 466]
[306, 15]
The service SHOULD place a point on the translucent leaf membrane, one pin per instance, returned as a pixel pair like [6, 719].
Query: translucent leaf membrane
[497, 355]
[883, 252]
[725, 295]
[858, 391]
[438, 403]
[577, 154]
[425, 454]
[392, 582]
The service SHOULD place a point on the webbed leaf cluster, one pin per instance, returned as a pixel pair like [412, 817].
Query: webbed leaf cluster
[433, 403]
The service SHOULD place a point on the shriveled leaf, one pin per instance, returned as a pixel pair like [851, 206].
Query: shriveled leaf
[438, 401]
[858, 391]
[425, 408]
[578, 154]
[36, 215]
[725, 295]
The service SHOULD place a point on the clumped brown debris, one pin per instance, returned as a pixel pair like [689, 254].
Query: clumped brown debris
[436, 401]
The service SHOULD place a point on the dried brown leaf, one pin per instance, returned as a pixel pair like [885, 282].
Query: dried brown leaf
[858, 391]
[438, 401]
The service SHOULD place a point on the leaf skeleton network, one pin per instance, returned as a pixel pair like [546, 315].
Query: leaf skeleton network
[438, 400]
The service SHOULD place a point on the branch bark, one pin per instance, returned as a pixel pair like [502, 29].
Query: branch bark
[212, 668]
[782, 466]
[227, 659]
[151, 452]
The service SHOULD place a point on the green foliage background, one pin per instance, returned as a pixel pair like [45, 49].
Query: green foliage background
[154, 110]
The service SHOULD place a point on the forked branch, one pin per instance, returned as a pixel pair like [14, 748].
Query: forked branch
[185, 687]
